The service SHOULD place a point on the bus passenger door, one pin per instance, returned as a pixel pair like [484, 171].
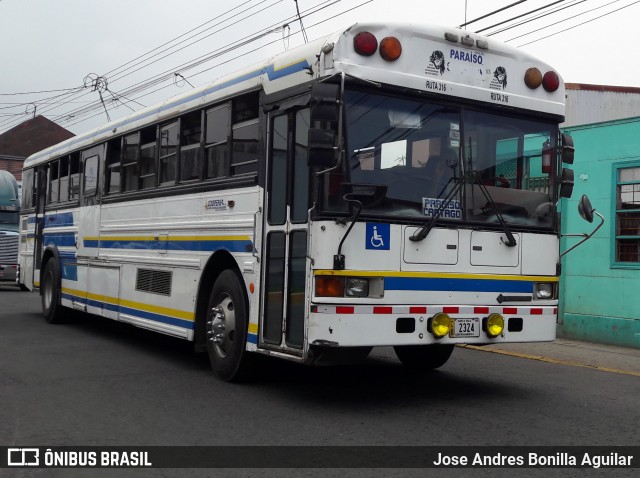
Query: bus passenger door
[40, 193]
[88, 236]
[285, 267]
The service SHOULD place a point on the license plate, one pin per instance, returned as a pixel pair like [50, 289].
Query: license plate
[465, 328]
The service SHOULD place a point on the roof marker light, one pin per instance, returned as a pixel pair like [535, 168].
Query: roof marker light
[390, 48]
[533, 78]
[550, 81]
[467, 41]
[365, 43]
[451, 37]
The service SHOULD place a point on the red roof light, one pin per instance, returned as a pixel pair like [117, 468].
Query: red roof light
[550, 81]
[365, 43]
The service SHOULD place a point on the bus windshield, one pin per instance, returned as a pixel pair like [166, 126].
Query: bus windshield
[425, 152]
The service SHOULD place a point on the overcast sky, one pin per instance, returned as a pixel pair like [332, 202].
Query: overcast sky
[56, 44]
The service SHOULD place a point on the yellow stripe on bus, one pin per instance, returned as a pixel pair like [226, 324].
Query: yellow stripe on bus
[180, 314]
[435, 275]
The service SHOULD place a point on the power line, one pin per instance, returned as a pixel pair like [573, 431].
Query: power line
[78, 92]
[150, 82]
[519, 16]
[579, 24]
[304, 33]
[491, 13]
[235, 58]
[37, 92]
[537, 17]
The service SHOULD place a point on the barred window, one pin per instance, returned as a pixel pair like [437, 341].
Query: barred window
[628, 215]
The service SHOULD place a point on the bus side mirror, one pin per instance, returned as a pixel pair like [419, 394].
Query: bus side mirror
[585, 209]
[322, 148]
[587, 212]
[325, 102]
[567, 149]
[566, 183]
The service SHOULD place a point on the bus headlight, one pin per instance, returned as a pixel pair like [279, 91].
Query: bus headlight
[356, 287]
[543, 290]
[440, 325]
[495, 325]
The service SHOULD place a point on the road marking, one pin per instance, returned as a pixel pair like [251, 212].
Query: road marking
[540, 358]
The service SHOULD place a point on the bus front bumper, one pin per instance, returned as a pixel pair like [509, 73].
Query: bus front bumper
[354, 326]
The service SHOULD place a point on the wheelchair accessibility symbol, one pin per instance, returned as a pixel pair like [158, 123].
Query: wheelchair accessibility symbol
[378, 236]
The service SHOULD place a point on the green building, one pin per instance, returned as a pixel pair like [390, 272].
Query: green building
[600, 284]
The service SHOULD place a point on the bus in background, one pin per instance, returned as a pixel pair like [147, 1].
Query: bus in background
[9, 218]
[386, 185]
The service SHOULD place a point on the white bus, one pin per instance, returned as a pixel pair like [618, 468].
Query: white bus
[387, 185]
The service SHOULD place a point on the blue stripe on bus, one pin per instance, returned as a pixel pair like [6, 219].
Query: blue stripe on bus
[60, 239]
[63, 219]
[68, 266]
[165, 319]
[458, 285]
[173, 245]
[252, 338]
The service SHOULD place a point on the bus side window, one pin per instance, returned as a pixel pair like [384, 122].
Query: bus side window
[191, 146]
[246, 134]
[169, 137]
[129, 168]
[218, 124]
[64, 179]
[54, 183]
[90, 176]
[74, 176]
[112, 176]
[147, 167]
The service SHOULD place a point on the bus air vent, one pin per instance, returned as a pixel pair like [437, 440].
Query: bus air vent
[153, 281]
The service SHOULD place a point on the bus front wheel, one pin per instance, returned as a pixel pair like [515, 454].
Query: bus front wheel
[423, 357]
[50, 292]
[227, 323]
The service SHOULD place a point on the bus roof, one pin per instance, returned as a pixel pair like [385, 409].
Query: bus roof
[436, 60]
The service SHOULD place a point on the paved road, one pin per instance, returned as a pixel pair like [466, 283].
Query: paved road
[98, 382]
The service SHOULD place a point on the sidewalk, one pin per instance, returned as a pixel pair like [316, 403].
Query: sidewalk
[572, 352]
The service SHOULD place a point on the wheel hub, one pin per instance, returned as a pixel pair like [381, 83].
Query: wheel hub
[221, 326]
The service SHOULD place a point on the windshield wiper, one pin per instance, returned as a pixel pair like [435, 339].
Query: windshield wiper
[424, 231]
[511, 241]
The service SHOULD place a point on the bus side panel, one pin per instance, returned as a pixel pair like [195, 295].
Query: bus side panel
[105, 281]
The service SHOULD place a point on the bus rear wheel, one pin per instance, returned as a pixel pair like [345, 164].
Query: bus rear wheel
[423, 357]
[226, 327]
[50, 293]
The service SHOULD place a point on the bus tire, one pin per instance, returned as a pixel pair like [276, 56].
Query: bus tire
[226, 327]
[50, 287]
[423, 357]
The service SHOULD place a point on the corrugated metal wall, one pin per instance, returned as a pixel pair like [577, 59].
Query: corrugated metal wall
[588, 104]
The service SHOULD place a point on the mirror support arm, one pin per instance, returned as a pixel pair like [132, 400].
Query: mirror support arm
[585, 237]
